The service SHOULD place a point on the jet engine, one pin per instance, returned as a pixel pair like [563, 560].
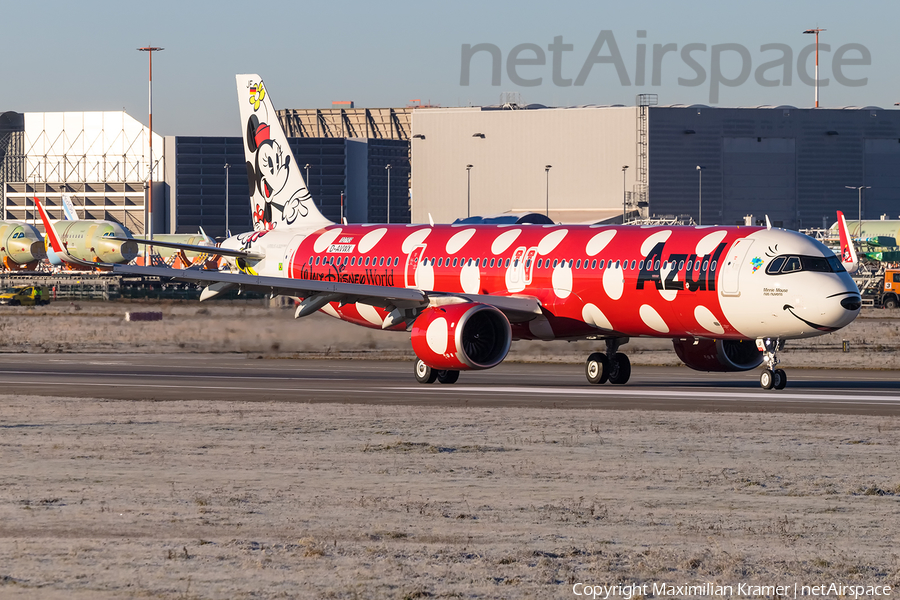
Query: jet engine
[718, 355]
[460, 337]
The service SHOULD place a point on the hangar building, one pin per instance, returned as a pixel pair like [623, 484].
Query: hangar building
[788, 163]
[101, 159]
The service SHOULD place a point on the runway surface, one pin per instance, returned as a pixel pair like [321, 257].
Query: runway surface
[227, 377]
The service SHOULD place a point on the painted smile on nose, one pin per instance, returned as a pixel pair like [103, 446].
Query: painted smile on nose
[851, 303]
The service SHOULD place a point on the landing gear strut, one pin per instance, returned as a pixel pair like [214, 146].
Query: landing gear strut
[771, 377]
[612, 366]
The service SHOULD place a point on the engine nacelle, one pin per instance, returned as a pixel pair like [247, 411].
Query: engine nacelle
[718, 355]
[461, 337]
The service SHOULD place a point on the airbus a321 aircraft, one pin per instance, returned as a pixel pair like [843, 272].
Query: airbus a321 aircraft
[728, 297]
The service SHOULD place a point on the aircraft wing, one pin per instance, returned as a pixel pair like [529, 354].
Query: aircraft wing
[194, 248]
[317, 293]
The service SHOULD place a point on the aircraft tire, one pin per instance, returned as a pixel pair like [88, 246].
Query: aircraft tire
[620, 370]
[596, 369]
[424, 373]
[766, 380]
[448, 376]
[779, 379]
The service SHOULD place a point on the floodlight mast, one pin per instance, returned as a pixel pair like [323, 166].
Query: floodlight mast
[816, 31]
[148, 225]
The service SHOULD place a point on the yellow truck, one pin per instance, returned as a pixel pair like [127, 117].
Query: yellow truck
[31, 295]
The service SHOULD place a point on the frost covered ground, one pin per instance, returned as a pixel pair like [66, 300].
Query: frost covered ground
[111, 499]
[195, 499]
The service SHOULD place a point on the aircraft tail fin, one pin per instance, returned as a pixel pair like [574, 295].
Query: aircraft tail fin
[279, 196]
[69, 208]
[52, 236]
[848, 252]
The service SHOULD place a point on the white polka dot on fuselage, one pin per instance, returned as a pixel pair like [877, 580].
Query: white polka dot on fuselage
[652, 319]
[505, 240]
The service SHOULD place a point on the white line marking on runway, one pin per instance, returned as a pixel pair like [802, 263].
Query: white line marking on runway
[777, 396]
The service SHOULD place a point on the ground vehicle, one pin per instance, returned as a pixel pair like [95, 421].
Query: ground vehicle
[879, 287]
[31, 295]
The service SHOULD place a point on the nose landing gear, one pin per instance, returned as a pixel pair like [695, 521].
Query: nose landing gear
[612, 366]
[771, 377]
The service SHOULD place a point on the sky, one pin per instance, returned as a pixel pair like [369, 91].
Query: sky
[82, 56]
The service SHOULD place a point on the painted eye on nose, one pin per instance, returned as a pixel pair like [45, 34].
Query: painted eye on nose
[851, 303]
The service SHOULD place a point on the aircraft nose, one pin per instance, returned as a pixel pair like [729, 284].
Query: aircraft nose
[852, 303]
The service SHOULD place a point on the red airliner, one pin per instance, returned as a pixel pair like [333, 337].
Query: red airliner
[728, 297]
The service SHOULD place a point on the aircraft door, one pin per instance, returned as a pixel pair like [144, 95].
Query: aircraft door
[412, 263]
[517, 266]
[287, 266]
[732, 268]
[529, 264]
[90, 248]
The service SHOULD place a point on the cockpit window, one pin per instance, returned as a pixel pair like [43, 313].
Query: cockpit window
[793, 264]
[775, 265]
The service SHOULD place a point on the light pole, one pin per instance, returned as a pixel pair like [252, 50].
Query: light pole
[148, 210]
[700, 196]
[547, 173]
[387, 167]
[816, 31]
[227, 231]
[468, 191]
[860, 188]
[624, 196]
[307, 177]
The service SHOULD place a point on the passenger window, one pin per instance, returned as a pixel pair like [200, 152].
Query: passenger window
[507, 263]
[317, 260]
[791, 264]
[602, 263]
[555, 262]
[578, 264]
[680, 265]
[896, 277]
[455, 261]
[594, 264]
[632, 265]
[705, 264]
[493, 262]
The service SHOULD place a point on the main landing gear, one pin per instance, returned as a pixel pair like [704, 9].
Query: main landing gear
[425, 374]
[771, 377]
[613, 366]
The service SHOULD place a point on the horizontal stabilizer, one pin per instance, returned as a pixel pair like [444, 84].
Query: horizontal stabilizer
[216, 250]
